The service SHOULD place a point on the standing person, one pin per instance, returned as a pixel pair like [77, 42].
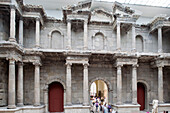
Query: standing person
[105, 109]
[100, 108]
[109, 108]
[97, 106]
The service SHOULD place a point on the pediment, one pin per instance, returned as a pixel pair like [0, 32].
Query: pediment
[101, 14]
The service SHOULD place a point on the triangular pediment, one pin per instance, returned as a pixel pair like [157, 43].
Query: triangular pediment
[100, 14]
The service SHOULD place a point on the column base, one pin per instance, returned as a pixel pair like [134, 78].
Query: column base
[37, 104]
[20, 104]
[11, 39]
[118, 49]
[85, 48]
[133, 50]
[118, 103]
[85, 104]
[127, 108]
[11, 106]
[37, 46]
[77, 109]
[69, 104]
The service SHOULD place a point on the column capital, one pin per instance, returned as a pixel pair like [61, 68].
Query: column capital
[68, 63]
[85, 21]
[118, 23]
[86, 64]
[68, 20]
[12, 61]
[160, 66]
[37, 63]
[37, 19]
[119, 65]
[13, 7]
[135, 65]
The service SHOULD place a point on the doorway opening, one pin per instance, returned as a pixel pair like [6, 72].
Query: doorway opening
[56, 97]
[99, 92]
[141, 97]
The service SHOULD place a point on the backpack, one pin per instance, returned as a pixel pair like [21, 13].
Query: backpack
[97, 104]
[101, 108]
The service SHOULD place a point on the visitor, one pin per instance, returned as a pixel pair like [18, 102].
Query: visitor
[105, 109]
[109, 108]
[97, 106]
[100, 107]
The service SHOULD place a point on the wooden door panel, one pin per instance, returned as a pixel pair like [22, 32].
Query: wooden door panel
[141, 95]
[56, 97]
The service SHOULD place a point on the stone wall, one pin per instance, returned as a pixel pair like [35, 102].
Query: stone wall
[3, 82]
[149, 40]
[4, 27]
[166, 84]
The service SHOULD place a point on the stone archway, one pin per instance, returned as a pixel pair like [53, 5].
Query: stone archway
[108, 84]
[147, 93]
[45, 91]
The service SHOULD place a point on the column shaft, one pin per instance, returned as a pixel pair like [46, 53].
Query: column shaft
[68, 85]
[12, 25]
[21, 32]
[37, 33]
[20, 85]
[85, 35]
[159, 39]
[11, 85]
[69, 34]
[119, 85]
[37, 85]
[118, 37]
[134, 84]
[85, 86]
[160, 84]
[133, 38]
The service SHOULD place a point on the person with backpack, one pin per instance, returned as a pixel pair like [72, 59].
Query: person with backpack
[109, 108]
[97, 106]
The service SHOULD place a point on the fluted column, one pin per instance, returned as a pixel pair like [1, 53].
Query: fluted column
[69, 34]
[160, 84]
[119, 84]
[37, 33]
[11, 85]
[37, 85]
[20, 85]
[21, 31]
[68, 84]
[133, 38]
[85, 34]
[160, 39]
[12, 24]
[134, 84]
[85, 85]
[118, 37]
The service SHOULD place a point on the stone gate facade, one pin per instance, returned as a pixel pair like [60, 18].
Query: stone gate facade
[88, 44]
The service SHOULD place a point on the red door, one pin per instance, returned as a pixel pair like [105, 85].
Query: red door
[55, 99]
[141, 95]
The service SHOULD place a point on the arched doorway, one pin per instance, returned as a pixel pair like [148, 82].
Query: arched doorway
[99, 89]
[56, 97]
[141, 95]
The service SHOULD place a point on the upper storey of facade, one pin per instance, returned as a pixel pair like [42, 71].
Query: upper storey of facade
[83, 27]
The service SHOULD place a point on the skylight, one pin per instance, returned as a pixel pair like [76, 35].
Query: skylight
[159, 3]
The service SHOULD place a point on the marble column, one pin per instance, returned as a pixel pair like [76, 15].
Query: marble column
[12, 24]
[37, 85]
[68, 84]
[160, 39]
[133, 38]
[21, 31]
[134, 84]
[69, 34]
[37, 33]
[85, 86]
[20, 85]
[46, 100]
[160, 84]
[11, 85]
[85, 34]
[118, 37]
[119, 84]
